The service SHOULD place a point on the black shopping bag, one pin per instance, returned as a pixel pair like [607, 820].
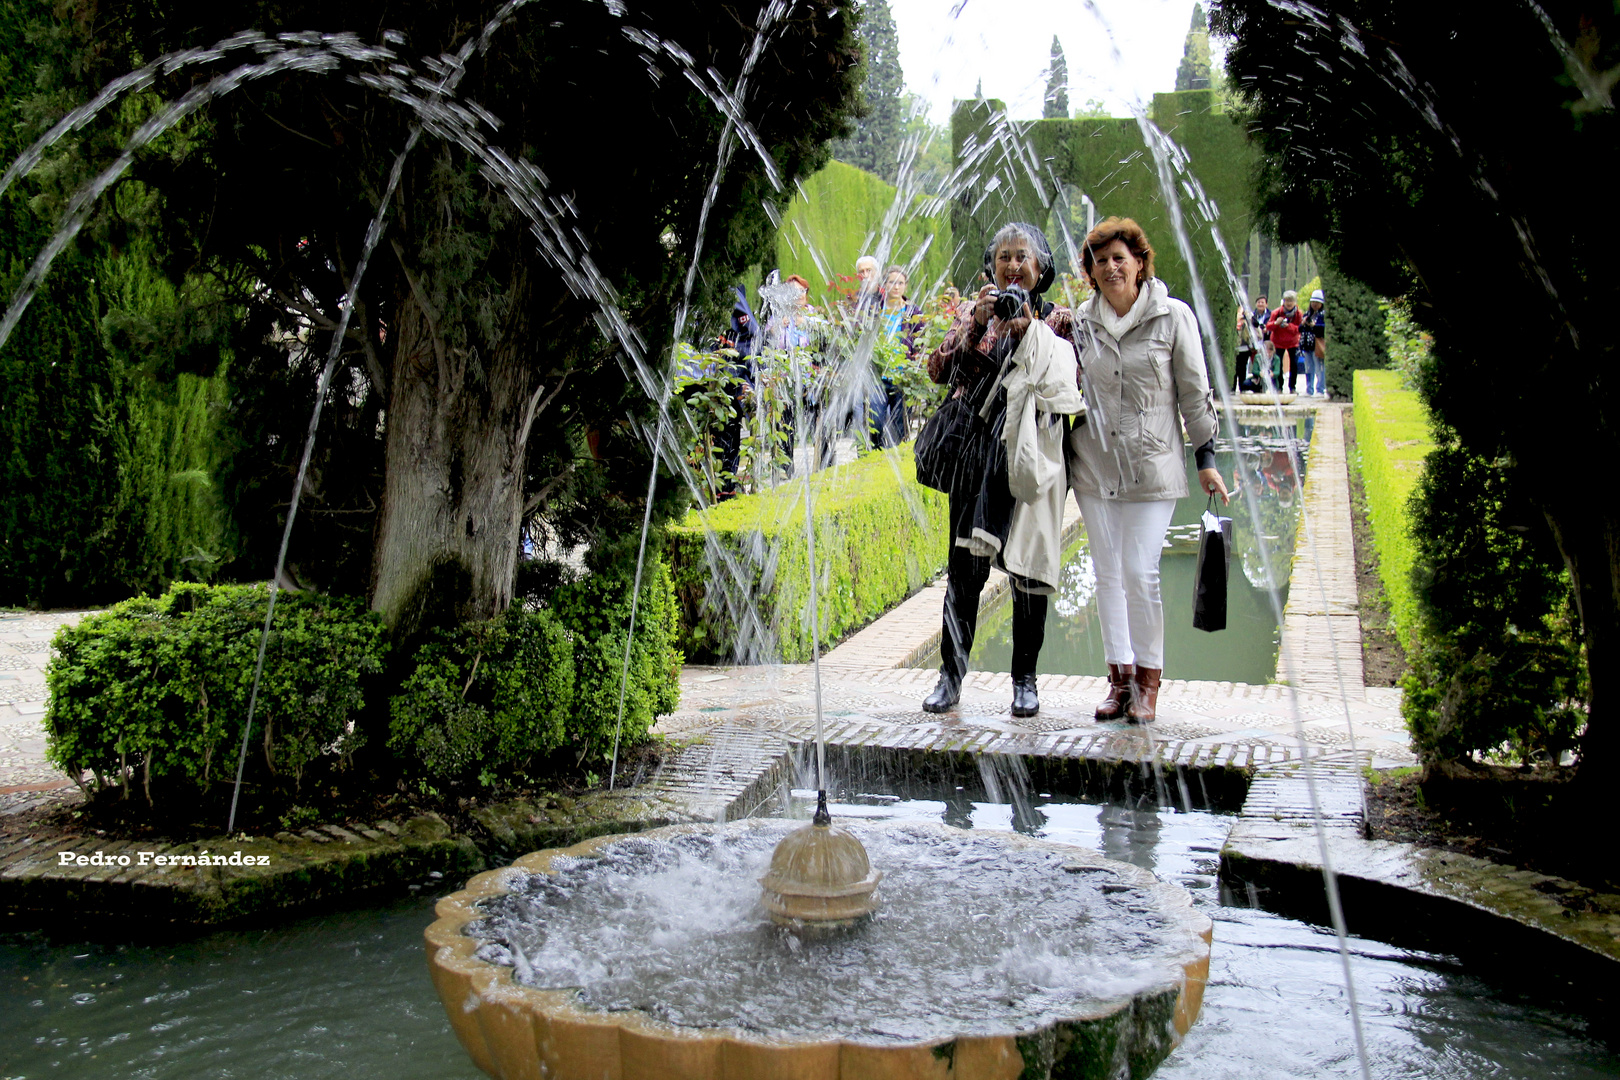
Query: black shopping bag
[1214, 563]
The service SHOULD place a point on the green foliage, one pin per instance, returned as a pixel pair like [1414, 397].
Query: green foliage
[504, 701]
[1410, 347]
[107, 453]
[830, 222]
[878, 538]
[1392, 439]
[1057, 85]
[596, 611]
[486, 700]
[1357, 335]
[475, 362]
[1417, 193]
[160, 687]
[931, 166]
[1498, 666]
[875, 143]
[1193, 71]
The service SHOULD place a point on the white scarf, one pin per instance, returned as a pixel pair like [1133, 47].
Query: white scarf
[1120, 325]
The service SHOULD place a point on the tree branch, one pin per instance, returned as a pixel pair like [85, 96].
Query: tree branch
[538, 499]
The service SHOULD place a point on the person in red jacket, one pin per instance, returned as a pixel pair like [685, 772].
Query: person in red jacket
[1284, 328]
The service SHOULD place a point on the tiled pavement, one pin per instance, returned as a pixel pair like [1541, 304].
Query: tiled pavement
[26, 779]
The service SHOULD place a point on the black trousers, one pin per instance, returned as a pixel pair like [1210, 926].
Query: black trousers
[966, 575]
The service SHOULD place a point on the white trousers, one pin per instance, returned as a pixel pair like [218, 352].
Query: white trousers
[1126, 539]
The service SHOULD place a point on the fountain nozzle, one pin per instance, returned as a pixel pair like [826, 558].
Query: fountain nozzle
[820, 877]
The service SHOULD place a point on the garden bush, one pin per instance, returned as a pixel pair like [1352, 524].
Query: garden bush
[1497, 665]
[741, 569]
[1392, 439]
[154, 691]
[486, 700]
[506, 700]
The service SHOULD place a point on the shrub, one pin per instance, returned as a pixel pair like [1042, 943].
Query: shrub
[161, 686]
[486, 699]
[1392, 438]
[741, 569]
[596, 610]
[1356, 333]
[1498, 664]
[500, 700]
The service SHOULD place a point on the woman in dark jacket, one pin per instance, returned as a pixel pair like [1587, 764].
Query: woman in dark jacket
[970, 359]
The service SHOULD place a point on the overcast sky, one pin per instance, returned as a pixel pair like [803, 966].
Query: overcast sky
[1118, 51]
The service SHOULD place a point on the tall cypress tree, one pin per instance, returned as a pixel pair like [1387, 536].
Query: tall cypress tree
[876, 141]
[1193, 72]
[1057, 85]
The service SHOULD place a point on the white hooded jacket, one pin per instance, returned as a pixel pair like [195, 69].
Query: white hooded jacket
[1042, 387]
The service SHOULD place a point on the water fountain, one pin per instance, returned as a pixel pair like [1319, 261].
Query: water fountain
[993, 955]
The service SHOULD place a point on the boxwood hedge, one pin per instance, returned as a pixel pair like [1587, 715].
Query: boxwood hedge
[741, 569]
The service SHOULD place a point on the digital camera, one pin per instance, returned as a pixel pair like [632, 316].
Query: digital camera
[1010, 302]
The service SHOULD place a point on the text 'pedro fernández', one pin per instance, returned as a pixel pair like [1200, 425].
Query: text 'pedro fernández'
[153, 858]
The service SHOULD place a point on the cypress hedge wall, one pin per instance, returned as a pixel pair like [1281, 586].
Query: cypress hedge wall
[1356, 340]
[741, 572]
[840, 215]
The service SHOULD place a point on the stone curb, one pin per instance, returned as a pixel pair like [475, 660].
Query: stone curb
[1402, 892]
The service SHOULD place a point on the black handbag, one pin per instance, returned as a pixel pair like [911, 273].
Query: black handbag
[944, 448]
[1214, 566]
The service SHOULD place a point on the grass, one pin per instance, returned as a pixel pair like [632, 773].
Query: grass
[1378, 776]
[1392, 437]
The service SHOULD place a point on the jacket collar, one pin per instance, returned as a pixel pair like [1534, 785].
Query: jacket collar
[1153, 302]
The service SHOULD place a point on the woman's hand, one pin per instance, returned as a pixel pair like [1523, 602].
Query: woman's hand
[1015, 328]
[1210, 482]
[984, 306]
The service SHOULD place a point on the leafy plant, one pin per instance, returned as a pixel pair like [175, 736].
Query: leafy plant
[155, 691]
[486, 700]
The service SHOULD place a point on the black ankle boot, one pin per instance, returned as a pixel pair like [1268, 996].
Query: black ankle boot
[1026, 702]
[947, 692]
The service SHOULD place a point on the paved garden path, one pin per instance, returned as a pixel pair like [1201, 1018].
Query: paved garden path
[26, 779]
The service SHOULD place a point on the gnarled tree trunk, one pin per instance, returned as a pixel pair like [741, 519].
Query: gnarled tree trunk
[452, 512]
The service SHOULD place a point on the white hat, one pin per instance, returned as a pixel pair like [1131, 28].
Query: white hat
[1317, 297]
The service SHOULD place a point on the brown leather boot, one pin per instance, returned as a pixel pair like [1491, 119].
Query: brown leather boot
[1113, 706]
[1144, 694]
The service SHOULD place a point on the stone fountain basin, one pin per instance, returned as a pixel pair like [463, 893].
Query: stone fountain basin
[513, 1030]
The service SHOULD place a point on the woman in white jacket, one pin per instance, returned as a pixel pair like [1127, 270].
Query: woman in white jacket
[1144, 377]
[1018, 374]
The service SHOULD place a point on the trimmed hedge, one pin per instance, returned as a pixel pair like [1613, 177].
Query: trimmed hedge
[494, 701]
[842, 209]
[1356, 332]
[1392, 439]
[155, 691]
[879, 538]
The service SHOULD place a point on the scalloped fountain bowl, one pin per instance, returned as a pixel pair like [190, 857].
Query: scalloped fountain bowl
[992, 955]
